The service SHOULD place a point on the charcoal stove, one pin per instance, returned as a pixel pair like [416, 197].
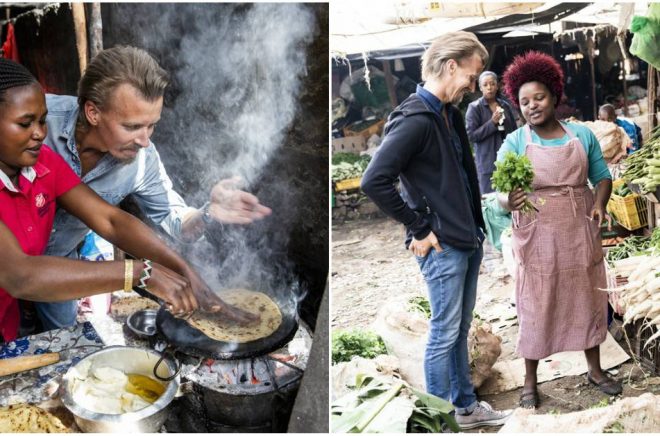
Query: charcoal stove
[254, 394]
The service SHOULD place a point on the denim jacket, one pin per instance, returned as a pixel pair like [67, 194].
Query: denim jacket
[144, 177]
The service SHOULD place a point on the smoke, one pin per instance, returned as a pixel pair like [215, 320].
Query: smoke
[238, 81]
[236, 73]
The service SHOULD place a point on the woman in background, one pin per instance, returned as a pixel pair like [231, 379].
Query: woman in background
[488, 120]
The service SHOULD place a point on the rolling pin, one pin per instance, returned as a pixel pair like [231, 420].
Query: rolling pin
[13, 365]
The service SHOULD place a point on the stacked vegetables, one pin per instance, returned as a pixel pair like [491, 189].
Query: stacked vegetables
[640, 297]
[348, 166]
[633, 246]
[637, 260]
[622, 190]
[643, 166]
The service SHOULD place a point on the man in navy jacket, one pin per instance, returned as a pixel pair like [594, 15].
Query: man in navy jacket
[426, 148]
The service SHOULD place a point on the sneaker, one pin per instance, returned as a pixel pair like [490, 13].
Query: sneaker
[483, 414]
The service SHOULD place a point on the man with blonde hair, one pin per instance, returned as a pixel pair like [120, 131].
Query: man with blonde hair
[104, 135]
[426, 147]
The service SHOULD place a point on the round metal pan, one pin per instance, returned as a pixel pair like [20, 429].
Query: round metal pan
[189, 340]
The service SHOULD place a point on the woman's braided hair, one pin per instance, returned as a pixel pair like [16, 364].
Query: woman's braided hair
[12, 75]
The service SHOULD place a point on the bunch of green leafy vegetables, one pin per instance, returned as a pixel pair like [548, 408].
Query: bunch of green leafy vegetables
[513, 172]
[349, 343]
[348, 166]
[378, 406]
[350, 158]
[635, 246]
[421, 305]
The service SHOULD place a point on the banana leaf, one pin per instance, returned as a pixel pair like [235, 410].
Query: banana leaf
[441, 407]
[393, 418]
[375, 406]
[357, 419]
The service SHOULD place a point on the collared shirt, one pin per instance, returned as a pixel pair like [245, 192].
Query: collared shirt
[27, 173]
[145, 178]
[28, 211]
[437, 106]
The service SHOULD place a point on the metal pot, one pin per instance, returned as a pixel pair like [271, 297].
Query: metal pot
[130, 360]
[187, 339]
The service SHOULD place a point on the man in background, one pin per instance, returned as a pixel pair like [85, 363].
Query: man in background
[634, 132]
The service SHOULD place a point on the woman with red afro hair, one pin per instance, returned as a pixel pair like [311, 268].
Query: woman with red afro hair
[557, 248]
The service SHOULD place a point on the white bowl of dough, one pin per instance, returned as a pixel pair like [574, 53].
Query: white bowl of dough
[114, 390]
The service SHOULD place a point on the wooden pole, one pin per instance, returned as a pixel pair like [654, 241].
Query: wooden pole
[627, 66]
[95, 30]
[652, 87]
[389, 81]
[80, 27]
[590, 54]
[625, 94]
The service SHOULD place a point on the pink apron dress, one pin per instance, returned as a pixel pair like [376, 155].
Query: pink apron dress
[559, 256]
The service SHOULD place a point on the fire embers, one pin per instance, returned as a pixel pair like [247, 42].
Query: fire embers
[257, 375]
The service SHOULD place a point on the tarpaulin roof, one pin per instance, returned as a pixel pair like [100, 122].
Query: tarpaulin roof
[365, 27]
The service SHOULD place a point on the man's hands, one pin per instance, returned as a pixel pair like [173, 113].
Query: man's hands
[421, 247]
[230, 205]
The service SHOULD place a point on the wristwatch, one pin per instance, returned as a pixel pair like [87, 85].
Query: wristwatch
[206, 216]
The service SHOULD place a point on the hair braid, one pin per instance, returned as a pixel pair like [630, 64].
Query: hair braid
[12, 75]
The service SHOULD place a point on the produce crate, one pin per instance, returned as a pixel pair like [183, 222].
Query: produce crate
[617, 183]
[649, 357]
[364, 128]
[653, 197]
[349, 144]
[629, 211]
[348, 184]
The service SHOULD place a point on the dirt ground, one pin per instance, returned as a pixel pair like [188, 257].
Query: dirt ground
[370, 266]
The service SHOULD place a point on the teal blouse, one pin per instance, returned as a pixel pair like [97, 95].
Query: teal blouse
[516, 142]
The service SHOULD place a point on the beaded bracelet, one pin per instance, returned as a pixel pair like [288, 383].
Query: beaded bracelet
[146, 274]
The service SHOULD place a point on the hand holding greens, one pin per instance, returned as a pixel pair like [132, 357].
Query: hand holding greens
[514, 172]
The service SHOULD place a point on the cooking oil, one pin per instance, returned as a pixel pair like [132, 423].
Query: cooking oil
[145, 387]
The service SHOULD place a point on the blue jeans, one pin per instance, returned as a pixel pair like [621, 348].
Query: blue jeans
[451, 277]
[57, 315]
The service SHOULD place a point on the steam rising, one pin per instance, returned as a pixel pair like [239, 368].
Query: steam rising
[236, 78]
[246, 75]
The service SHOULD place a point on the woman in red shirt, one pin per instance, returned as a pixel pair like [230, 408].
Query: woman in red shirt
[33, 181]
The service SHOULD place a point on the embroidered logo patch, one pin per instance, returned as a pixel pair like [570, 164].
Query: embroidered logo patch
[43, 204]
[39, 201]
